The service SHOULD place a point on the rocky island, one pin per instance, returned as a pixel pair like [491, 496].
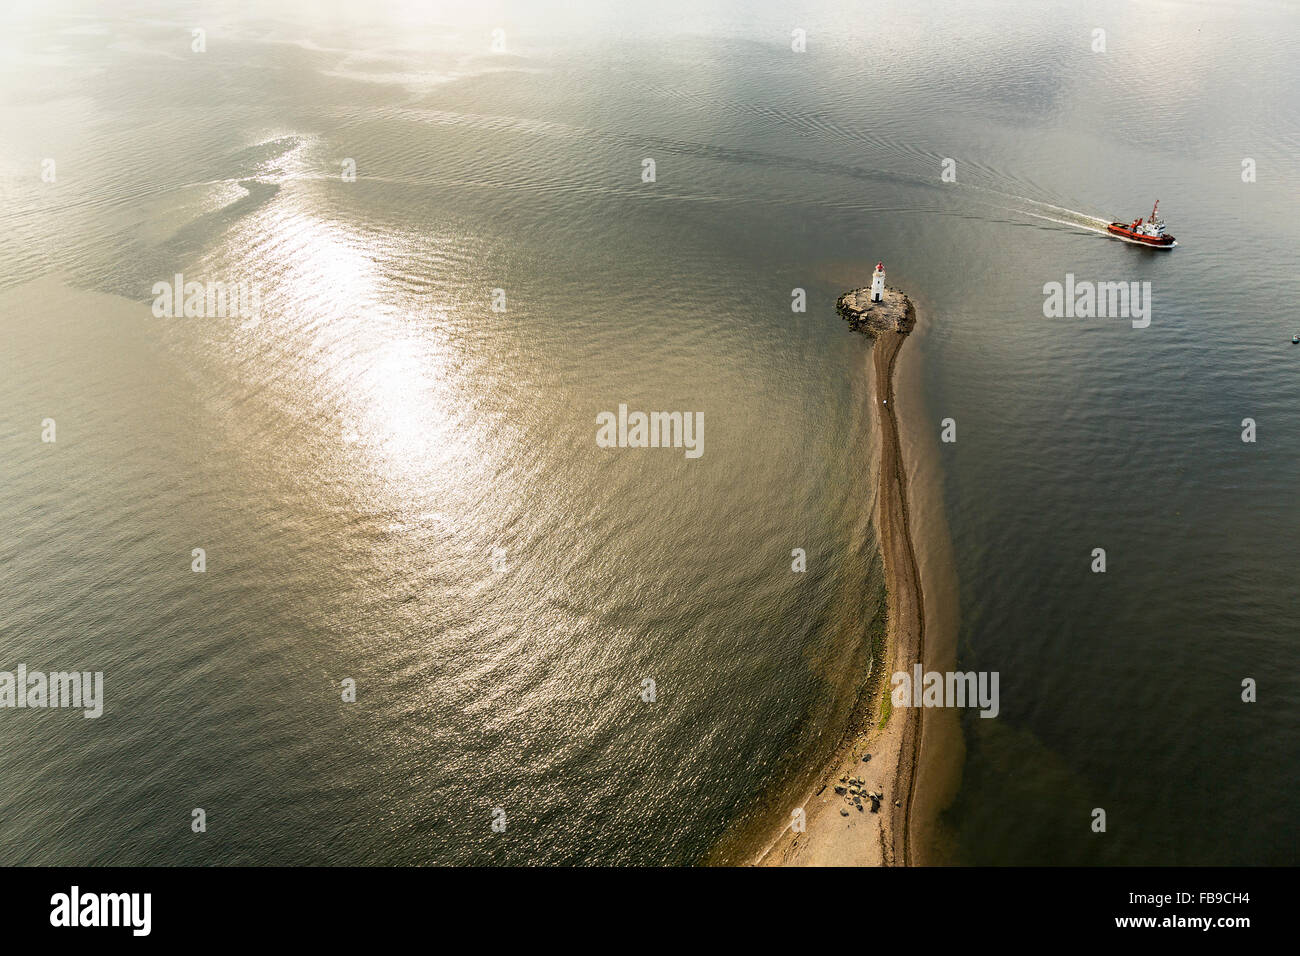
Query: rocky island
[894, 313]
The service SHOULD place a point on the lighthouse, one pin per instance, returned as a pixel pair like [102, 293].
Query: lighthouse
[878, 283]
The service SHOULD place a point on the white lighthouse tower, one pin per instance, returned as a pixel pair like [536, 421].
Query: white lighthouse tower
[878, 283]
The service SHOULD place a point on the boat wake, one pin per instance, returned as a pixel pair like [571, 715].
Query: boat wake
[1078, 220]
[1048, 212]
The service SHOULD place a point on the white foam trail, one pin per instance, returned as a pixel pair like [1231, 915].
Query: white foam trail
[1046, 211]
[1073, 215]
[1069, 217]
[1088, 223]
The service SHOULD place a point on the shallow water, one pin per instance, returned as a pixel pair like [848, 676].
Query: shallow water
[351, 460]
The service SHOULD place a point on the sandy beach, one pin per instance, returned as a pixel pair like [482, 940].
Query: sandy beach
[880, 752]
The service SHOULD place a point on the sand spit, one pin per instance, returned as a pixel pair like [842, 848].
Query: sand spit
[859, 811]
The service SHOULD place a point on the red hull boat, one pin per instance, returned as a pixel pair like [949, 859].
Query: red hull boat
[1150, 233]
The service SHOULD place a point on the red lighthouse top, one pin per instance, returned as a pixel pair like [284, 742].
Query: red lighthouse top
[880, 266]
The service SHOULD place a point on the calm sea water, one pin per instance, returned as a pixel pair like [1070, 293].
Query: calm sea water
[353, 461]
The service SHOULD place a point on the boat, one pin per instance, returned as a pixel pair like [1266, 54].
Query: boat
[1295, 340]
[1150, 233]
